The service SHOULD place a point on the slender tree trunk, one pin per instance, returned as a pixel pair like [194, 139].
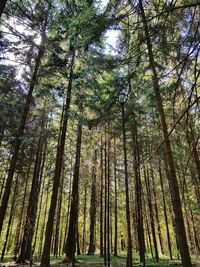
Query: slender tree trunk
[138, 190]
[73, 221]
[45, 261]
[57, 231]
[84, 219]
[18, 138]
[68, 206]
[105, 203]
[2, 130]
[108, 207]
[12, 211]
[41, 198]
[20, 221]
[173, 182]
[128, 217]
[44, 222]
[116, 201]
[2, 6]
[165, 214]
[101, 202]
[193, 146]
[147, 182]
[91, 249]
[156, 212]
[28, 231]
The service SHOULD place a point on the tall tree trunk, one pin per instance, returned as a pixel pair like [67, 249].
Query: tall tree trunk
[57, 230]
[84, 219]
[20, 220]
[193, 145]
[147, 183]
[165, 213]
[108, 206]
[45, 261]
[156, 212]
[91, 249]
[105, 202]
[2, 6]
[12, 211]
[116, 200]
[128, 217]
[28, 231]
[20, 132]
[73, 221]
[138, 190]
[173, 182]
[68, 205]
[101, 201]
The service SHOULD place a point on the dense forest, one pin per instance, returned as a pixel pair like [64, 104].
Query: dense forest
[99, 132]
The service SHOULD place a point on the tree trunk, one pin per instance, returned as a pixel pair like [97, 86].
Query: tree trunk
[165, 214]
[138, 190]
[12, 211]
[173, 182]
[2, 6]
[105, 203]
[147, 183]
[18, 138]
[73, 221]
[91, 249]
[28, 231]
[128, 217]
[116, 201]
[101, 202]
[45, 261]
[20, 221]
[84, 219]
[108, 207]
[156, 212]
[57, 231]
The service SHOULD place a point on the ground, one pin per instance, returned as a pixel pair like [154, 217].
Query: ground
[97, 261]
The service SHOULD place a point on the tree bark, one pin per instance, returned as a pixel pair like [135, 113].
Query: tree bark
[28, 231]
[138, 190]
[173, 182]
[45, 261]
[18, 138]
[12, 211]
[128, 217]
[165, 214]
[116, 201]
[147, 182]
[2, 6]
[101, 202]
[91, 249]
[73, 221]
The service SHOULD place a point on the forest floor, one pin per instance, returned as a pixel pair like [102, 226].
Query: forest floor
[97, 261]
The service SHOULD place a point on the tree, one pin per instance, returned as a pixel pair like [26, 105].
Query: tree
[185, 255]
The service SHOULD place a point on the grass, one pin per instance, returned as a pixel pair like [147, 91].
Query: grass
[115, 261]
[118, 261]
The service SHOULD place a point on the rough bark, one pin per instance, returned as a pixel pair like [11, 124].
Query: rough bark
[73, 220]
[17, 142]
[91, 249]
[2, 6]
[138, 190]
[165, 214]
[45, 261]
[101, 202]
[116, 201]
[173, 182]
[128, 217]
